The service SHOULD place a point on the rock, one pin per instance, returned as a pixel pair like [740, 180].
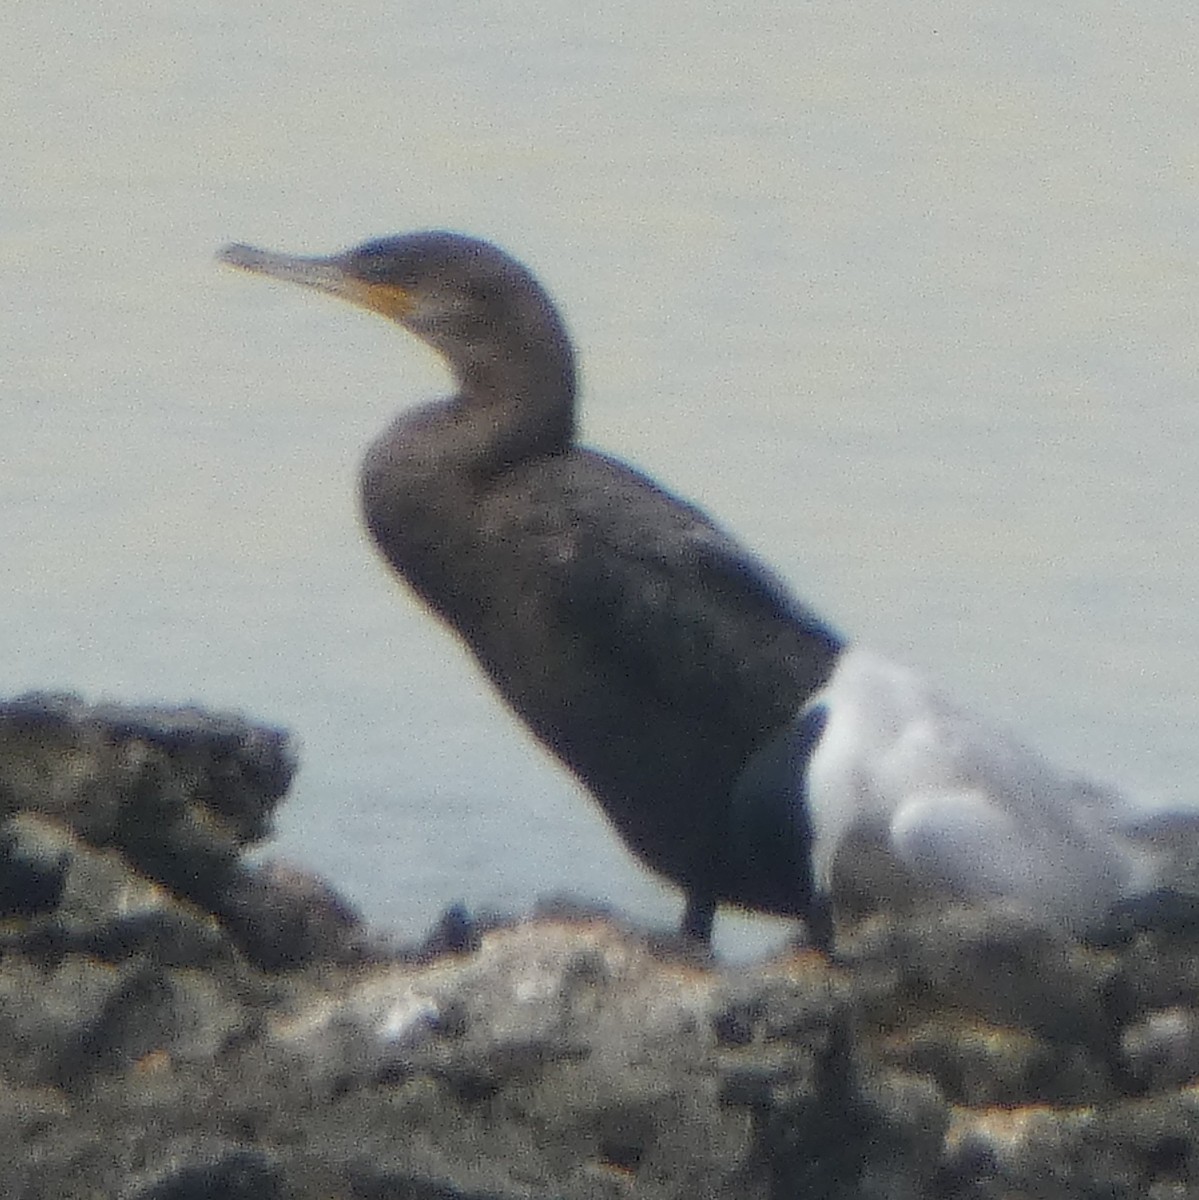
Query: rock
[32, 875]
[177, 1022]
[178, 793]
[234, 1173]
[1161, 1049]
[102, 908]
[144, 778]
[282, 917]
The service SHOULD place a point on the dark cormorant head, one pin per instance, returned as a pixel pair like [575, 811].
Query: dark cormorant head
[479, 308]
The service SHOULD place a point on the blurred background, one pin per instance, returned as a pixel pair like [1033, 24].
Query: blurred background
[906, 298]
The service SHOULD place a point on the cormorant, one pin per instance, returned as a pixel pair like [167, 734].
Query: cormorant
[643, 646]
[739, 746]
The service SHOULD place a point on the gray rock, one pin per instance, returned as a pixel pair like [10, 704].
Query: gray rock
[176, 1023]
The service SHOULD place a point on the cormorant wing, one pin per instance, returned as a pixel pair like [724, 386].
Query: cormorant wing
[663, 596]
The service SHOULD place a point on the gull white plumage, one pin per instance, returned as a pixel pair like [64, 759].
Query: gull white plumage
[904, 796]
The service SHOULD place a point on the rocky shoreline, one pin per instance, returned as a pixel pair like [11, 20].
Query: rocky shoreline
[179, 1023]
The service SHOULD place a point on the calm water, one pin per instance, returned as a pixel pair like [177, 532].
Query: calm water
[911, 307]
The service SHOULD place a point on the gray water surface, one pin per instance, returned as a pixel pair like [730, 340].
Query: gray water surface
[907, 297]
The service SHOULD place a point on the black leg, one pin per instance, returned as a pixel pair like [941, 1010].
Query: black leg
[820, 923]
[697, 919]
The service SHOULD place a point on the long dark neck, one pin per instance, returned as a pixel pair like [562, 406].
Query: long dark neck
[421, 480]
[512, 408]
